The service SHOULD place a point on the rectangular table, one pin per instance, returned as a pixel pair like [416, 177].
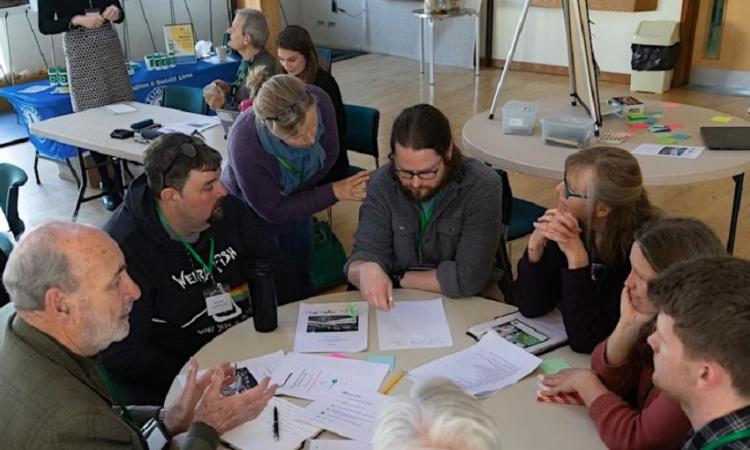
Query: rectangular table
[148, 87]
[90, 129]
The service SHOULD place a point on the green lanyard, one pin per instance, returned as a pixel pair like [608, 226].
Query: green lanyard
[731, 437]
[290, 168]
[115, 394]
[242, 72]
[207, 267]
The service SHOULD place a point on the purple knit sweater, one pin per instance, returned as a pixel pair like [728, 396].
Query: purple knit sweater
[254, 176]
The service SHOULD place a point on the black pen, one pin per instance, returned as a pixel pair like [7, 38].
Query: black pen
[275, 423]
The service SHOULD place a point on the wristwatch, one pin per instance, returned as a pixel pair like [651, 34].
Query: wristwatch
[161, 417]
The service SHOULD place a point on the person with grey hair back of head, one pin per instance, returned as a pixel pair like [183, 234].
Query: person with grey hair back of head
[248, 36]
[437, 415]
[72, 295]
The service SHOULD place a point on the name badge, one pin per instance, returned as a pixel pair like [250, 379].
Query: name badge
[218, 300]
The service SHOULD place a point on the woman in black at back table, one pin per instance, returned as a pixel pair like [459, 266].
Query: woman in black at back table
[94, 61]
[298, 56]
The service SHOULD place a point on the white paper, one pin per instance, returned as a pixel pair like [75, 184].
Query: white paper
[260, 367]
[348, 412]
[34, 89]
[328, 327]
[330, 444]
[258, 433]
[188, 128]
[482, 369]
[414, 324]
[669, 151]
[119, 108]
[534, 335]
[311, 377]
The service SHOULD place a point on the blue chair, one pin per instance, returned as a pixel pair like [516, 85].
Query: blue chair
[325, 58]
[11, 178]
[362, 133]
[184, 98]
[519, 215]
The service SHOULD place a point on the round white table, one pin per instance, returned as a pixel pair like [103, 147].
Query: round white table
[524, 423]
[485, 140]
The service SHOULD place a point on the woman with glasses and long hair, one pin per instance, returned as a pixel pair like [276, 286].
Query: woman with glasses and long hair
[278, 152]
[298, 57]
[622, 365]
[577, 256]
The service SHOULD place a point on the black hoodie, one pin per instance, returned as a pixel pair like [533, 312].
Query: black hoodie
[169, 323]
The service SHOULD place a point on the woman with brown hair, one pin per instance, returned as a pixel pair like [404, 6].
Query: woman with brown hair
[622, 365]
[577, 256]
[298, 57]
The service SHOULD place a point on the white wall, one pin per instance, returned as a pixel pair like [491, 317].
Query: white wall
[543, 38]
[385, 26]
[26, 55]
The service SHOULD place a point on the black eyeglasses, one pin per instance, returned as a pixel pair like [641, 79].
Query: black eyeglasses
[568, 192]
[429, 174]
[186, 149]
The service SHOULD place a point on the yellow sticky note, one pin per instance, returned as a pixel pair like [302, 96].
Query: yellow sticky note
[721, 119]
[667, 141]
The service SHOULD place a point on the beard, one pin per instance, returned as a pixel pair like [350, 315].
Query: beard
[422, 194]
[218, 212]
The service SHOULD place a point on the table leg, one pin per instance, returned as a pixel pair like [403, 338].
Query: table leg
[738, 184]
[432, 51]
[476, 65]
[421, 45]
[82, 185]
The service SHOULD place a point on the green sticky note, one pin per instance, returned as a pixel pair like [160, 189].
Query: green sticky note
[721, 119]
[383, 359]
[681, 137]
[554, 365]
[651, 120]
[667, 140]
[352, 310]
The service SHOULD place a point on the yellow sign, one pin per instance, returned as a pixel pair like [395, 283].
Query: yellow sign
[179, 40]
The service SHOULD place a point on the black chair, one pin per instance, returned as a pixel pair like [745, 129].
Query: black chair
[11, 178]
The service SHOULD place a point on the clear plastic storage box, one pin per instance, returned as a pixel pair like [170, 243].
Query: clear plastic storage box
[566, 130]
[519, 117]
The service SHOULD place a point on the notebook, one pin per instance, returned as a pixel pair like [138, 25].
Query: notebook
[536, 335]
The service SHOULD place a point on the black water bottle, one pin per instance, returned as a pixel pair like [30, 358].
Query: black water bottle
[263, 296]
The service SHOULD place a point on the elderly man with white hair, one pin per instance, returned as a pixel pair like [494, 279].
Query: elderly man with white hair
[437, 415]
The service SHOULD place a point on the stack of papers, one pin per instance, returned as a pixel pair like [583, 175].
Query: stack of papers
[258, 433]
[414, 324]
[259, 368]
[311, 377]
[348, 412]
[119, 108]
[669, 151]
[482, 369]
[332, 327]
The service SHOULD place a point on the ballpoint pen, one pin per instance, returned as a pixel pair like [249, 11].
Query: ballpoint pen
[275, 423]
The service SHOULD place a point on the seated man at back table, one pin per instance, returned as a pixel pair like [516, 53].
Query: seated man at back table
[700, 344]
[432, 217]
[248, 35]
[71, 294]
[185, 241]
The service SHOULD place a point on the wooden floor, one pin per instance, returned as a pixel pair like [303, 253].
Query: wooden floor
[390, 84]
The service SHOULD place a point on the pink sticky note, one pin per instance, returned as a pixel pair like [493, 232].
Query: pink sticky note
[675, 125]
[638, 124]
[340, 355]
[670, 105]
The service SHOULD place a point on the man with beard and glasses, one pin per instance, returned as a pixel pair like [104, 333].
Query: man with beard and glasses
[185, 241]
[432, 217]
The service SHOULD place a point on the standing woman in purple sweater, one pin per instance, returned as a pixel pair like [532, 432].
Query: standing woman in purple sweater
[278, 152]
[577, 256]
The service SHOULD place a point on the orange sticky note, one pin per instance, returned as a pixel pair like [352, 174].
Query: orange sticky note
[674, 126]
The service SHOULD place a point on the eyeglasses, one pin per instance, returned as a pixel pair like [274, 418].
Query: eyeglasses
[568, 192]
[429, 174]
[186, 149]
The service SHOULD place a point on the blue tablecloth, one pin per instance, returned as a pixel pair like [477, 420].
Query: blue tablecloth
[148, 87]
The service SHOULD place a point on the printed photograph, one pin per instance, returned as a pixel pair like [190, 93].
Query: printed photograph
[673, 151]
[332, 323]
[520, 334]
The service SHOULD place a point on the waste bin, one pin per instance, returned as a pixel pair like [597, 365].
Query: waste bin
[655, 48]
